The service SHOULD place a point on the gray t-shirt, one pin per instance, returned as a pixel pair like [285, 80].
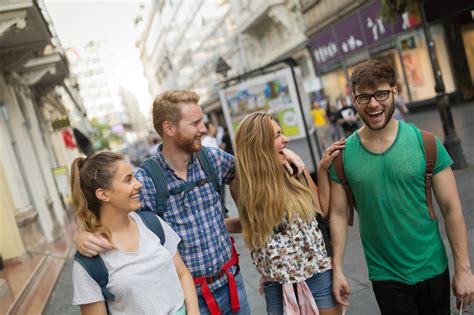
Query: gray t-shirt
[143, 282]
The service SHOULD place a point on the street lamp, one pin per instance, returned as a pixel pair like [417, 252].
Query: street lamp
[222, 67]
[452, 142]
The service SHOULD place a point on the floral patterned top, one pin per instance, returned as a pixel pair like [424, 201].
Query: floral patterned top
[294, 253]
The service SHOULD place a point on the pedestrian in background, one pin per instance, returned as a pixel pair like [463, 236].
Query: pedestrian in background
[347, 116]
[384, 164]
[335, 131]
[321, 123]
[145, 276]
[401, 108]
[209, 139]
[279, 219]
[194, 210]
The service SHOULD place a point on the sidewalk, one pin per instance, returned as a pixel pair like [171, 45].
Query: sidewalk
[362, 298]
[31, 279]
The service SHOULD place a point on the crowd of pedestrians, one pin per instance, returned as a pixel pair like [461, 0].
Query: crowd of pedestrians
[157, 241]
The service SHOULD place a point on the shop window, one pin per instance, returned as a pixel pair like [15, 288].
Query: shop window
[303, 64]
[468, 38]
[334, 85]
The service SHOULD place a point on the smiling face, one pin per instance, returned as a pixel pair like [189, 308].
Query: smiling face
[378, 111]
[123, 193]
[190, 128]
[280, 142]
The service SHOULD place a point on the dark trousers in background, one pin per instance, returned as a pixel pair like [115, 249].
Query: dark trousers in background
[429, 297]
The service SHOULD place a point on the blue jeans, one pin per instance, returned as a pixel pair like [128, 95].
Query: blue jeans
[320, 285]
[222, 297]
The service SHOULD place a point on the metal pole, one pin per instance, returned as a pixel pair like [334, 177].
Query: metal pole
[452, 142]
[315, 165]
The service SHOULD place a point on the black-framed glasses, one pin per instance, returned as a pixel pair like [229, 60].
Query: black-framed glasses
[380, 96]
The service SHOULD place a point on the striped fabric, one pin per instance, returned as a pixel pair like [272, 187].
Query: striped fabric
[196, 216]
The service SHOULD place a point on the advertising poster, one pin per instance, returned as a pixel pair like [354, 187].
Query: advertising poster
[61, 178]
[274, 93]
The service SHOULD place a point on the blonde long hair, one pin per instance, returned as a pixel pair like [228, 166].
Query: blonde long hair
[266, 192]
[87, 175]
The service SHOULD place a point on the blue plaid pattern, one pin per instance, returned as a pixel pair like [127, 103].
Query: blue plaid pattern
[196, 216]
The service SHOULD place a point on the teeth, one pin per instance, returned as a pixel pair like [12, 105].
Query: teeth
[376, 113]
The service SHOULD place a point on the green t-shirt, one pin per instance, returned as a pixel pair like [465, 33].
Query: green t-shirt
[401, 242]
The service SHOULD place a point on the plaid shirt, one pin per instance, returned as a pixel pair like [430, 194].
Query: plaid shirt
[196, 216]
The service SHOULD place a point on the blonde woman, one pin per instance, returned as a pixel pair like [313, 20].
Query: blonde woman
[278, 215]
[145, 276]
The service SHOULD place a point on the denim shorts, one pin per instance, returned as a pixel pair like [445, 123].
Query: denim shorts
[320, 285]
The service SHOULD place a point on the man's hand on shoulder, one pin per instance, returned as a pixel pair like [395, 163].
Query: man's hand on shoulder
[292, 159]
[89, 244]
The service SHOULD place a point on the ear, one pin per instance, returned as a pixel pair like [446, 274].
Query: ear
[169, 128]
[102, 195]
[395, 90]
[354, 102]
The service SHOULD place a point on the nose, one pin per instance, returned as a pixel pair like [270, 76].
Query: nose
[202, 128]
[138, 184]
[284, 139]
[373, 102]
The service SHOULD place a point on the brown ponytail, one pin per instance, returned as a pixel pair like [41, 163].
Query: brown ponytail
[88, 175]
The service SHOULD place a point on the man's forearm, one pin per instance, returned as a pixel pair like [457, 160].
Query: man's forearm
[338, 228]
[323, 189]
[457, 235]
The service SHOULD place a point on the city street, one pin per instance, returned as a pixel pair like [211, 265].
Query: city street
[362, 298]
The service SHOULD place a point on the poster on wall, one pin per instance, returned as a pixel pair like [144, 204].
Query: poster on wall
[273, 93]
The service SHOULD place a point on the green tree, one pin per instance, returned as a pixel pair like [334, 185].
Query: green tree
[391, 9]
[103, 136]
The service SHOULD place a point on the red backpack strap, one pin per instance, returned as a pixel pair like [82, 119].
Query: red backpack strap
[338, 163]
[429, 143]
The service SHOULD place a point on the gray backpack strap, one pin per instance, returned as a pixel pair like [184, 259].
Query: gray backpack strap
[95, 267]
[209, 169]
[154, 170]
[153, 224]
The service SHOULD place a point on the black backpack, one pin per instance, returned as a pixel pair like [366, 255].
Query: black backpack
[95, 266]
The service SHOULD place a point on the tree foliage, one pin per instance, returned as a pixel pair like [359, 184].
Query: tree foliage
[391, 9]
[103, 136]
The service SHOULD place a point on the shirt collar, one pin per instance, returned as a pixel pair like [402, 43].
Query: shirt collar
[162, 159]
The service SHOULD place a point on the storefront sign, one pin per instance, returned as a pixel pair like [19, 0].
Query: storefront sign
[359, 30]
[349, 34]
[325, 47]
[374, 28]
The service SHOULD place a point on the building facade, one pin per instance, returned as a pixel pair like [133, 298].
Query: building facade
[344, 33]
[181, 44]
[33, 67]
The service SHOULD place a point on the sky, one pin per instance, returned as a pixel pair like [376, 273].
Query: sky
[111, 22]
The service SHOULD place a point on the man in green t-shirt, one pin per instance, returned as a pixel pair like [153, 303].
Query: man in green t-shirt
[384, 163]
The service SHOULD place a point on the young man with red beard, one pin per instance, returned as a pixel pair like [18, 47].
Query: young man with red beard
[384, 164]
[195, 214]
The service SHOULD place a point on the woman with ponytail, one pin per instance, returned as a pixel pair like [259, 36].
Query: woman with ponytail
[278, 216]
[145, 276]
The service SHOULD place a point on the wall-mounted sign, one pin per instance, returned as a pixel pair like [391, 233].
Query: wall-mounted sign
[274, 93]
[361, 29]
